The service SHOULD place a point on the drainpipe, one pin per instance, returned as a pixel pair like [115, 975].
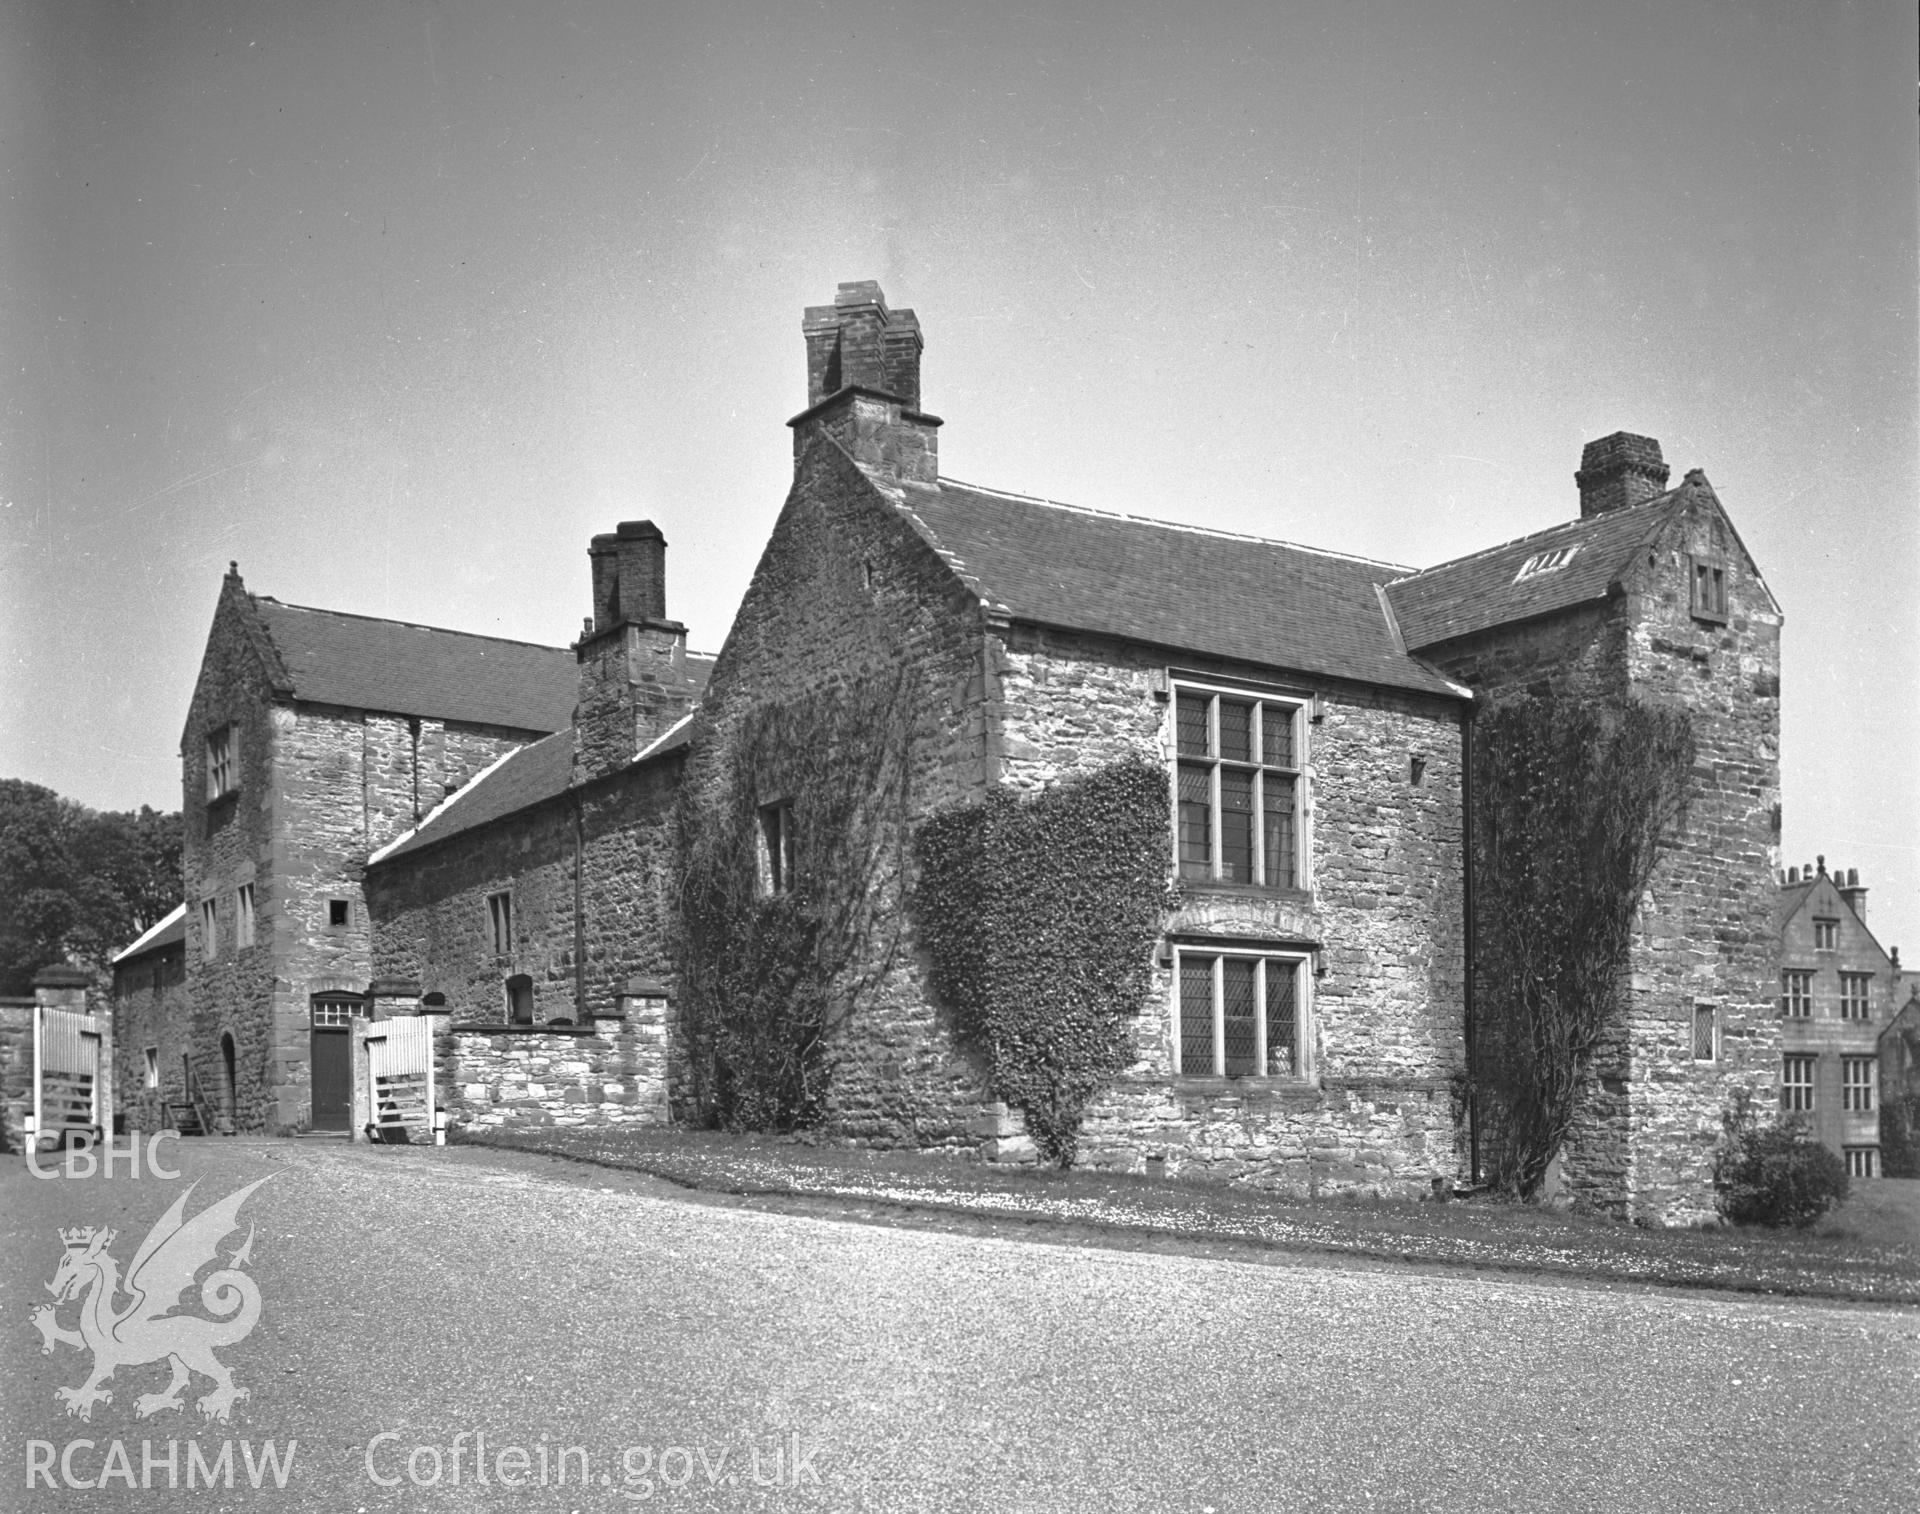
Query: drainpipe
[579, 913]
[1466, 890]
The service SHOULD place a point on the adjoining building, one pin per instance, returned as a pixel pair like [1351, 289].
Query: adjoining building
[314, 738]
[1840, 992]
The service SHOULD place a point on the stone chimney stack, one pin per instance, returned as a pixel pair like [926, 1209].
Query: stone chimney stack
[863, 385]
[1852, 892]
[633, 661]
[1618, 472]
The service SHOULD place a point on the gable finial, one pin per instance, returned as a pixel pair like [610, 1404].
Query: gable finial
[1822, 859]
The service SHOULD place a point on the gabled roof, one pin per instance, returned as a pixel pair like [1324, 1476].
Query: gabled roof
[169, 929]
[403, 669]
[1485, 589]
[1242, 598]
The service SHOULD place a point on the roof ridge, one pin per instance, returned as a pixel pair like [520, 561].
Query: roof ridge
[412, 625]
[1171, 525]
[140, 942]
[1565, 525]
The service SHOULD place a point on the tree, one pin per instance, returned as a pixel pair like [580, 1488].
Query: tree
[75, 883]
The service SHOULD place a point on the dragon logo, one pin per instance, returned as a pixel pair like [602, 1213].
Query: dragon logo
[146, 1330]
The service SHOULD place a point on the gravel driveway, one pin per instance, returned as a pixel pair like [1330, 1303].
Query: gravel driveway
[415, 1300]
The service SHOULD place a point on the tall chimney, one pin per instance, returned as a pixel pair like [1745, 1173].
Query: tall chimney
[1853, 893]
[1618, 472]
[863, 385]
[633, 660]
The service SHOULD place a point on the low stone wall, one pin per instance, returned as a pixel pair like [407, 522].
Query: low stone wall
[16, 1071]
[1390, 1137]
[493, 1077]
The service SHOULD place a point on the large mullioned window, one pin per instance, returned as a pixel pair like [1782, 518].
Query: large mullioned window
[1240, 1014]
[1237, 788]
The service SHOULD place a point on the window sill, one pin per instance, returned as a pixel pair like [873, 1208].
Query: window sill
[1248, 1084]
[1214, 889]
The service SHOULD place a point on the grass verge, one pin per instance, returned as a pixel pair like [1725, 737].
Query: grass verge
[1869, 1251]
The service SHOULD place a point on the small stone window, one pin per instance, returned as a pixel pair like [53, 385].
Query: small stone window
[500, 923]
[209, 928]
[1239, 1014]
[243, 915]
[776, 848]
[519, 1000]
[1856, 996]
[1709, 589]
[1862, 1161]
[1826, 935]
[223, 773]
[339, 913]
[1796, 993]
[1705, 1033]
[153, 1066]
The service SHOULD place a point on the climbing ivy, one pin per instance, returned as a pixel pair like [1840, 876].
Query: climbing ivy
[1039, 915]
[767, 976]
[1572, 803]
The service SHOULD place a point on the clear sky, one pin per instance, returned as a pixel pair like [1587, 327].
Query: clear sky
[397, 303]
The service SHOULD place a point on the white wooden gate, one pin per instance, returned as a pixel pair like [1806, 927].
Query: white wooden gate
[400, 1079]
[67, 1056]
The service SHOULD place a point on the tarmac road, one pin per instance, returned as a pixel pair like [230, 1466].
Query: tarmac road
[414, 1300]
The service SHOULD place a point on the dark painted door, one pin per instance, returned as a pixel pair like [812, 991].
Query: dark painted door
[332, 1087]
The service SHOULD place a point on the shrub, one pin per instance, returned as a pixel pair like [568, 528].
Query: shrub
[1774, 1174]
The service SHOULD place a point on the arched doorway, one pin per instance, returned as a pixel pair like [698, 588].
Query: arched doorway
[229, 1101]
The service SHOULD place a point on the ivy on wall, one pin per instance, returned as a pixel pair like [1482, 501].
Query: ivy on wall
[1039, 916]
[1900, 1104]
[1572, 803]
[767, 974]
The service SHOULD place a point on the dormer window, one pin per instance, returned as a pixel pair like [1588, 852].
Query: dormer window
[223, 775]
[1545, 562]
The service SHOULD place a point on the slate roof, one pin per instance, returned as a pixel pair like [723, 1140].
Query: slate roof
[1242, 598]
[1476, 592]
[524, 777]
[404, 669]
[168, 930]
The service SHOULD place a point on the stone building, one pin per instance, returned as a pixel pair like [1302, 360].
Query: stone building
[528, 909]
[152, 1052]
[314, 738]
[1840, 991]
[1313, 713]
[1649, 595]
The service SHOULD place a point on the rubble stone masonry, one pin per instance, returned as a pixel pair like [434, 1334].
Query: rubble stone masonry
[1383, 913]
[1649, 1118]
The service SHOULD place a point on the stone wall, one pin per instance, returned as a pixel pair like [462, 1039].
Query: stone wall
[16, 1072]
[1383, 915]
[1706, 932]
[227, 843]
[319, 788]
[1649, 1113]
[150, 1009]
[615, 1074]
[432, 924]
[846, 588]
